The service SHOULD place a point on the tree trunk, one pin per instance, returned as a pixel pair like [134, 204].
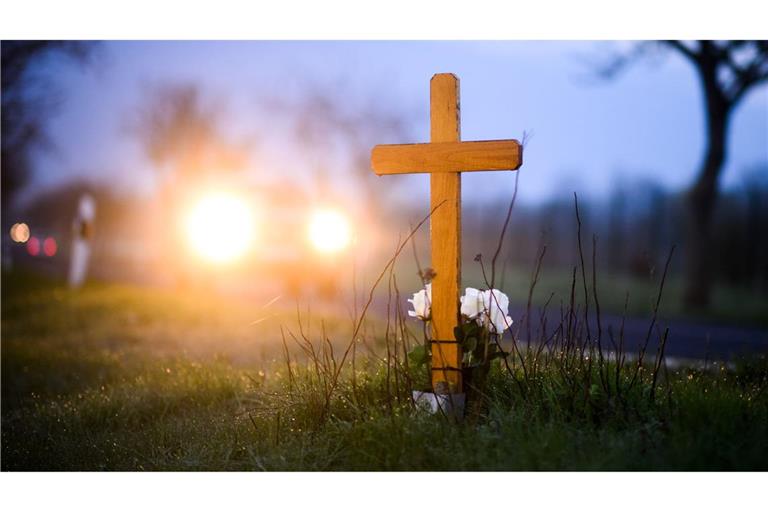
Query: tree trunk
[703, 196]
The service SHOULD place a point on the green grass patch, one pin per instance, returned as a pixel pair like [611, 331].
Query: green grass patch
[125, 378]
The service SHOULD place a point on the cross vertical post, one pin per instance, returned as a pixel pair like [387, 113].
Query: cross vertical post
[445, 235]
[444, 158]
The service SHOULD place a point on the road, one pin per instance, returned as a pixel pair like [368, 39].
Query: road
[687, 339]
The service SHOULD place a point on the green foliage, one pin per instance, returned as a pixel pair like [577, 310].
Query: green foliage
[419, 356]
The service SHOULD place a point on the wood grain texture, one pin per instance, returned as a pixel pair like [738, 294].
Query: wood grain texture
[485, 155]
[445, 233]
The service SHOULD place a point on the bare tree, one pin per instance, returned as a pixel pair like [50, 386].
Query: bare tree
[28, 99]
[326, 119]
[727, 71]
[181, 135]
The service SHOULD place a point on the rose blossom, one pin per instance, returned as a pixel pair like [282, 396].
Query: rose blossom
[422, 303]
[496, 309]
[471, 303]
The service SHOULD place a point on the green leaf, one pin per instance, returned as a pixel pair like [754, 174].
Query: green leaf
[418, 355]
[471, 328]
[469, 344]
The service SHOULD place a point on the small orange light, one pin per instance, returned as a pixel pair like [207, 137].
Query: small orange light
[20, 232]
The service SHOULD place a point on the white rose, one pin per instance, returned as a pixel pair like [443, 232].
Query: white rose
[422, 303]
[496, 308]
[471, 303]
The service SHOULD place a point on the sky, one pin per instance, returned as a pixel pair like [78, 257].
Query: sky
[584, 134]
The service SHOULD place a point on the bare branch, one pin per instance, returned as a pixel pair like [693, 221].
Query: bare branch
[689, 53]
[618, 62]
[751, 75]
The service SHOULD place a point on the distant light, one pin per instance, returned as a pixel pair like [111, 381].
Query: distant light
[49, 247]
[220, 227]
[20, 232]
[33, 246]
[329, 231]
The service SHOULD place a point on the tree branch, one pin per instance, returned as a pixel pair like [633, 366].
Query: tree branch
[620, 61]
[746, 78]
[688, 53]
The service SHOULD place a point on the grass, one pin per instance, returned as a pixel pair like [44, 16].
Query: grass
[126, 378]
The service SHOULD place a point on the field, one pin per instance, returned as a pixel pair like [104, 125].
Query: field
[118, 377]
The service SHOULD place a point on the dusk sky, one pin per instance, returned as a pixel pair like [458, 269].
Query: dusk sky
[587, 134]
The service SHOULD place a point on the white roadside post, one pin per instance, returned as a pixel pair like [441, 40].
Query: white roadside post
[82, 234]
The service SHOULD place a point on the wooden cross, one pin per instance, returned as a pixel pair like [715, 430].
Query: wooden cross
[445, 158]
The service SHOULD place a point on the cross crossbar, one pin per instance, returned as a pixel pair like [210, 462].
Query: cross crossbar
[483, 155]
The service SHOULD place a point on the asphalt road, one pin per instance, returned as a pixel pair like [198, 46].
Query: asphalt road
[687, 339]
